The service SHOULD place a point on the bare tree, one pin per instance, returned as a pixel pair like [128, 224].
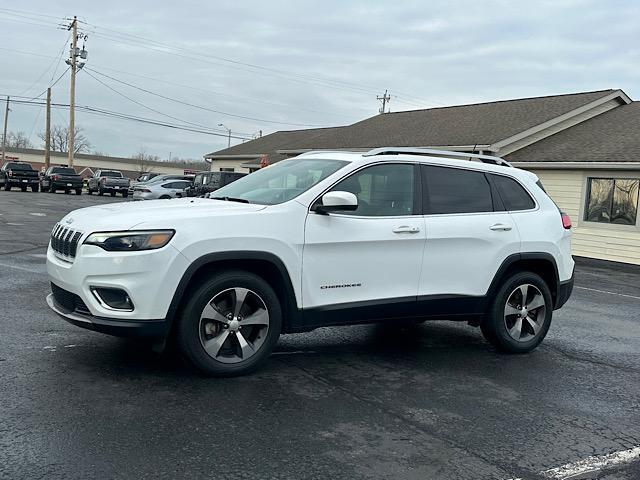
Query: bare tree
[18, 140]
[144, 160]
[60, 140]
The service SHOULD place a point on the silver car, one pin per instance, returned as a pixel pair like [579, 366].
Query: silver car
[162, 190]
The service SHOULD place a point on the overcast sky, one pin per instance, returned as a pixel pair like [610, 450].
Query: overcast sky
[292, 64]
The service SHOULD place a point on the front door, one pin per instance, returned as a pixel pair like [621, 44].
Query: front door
[373, 255]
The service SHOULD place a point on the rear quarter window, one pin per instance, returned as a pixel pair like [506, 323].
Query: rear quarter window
[513, 195]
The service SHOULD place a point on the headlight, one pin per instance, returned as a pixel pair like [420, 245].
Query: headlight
[131, 241]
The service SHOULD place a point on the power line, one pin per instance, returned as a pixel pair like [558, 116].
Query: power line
[200, 106]
[142, 104]
[46, 70]
[52, 85]
[124, 116]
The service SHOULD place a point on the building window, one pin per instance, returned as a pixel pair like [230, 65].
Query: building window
[227, 169]
[612, 200]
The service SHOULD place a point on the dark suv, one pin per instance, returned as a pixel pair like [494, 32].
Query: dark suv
[61, 178]
[207, 182]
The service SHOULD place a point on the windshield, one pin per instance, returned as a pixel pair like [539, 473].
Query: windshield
[64, 171]
[280, 182]
[111, 174]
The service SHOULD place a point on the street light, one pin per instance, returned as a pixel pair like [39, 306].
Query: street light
[228, 131]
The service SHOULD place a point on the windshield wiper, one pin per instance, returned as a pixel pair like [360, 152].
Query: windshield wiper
[230, 199]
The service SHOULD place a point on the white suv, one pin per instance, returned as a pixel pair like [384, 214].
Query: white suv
[326, 238]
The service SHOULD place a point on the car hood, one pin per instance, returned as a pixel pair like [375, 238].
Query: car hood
[151, 213]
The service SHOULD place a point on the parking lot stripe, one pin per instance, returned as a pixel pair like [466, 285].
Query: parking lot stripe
[593, 464]
[609, 293]
[16, 267]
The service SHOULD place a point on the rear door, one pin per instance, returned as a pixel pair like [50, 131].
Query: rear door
[468, 232]
[373, 255]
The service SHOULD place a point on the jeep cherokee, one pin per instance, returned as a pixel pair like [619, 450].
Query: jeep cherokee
[326, 238]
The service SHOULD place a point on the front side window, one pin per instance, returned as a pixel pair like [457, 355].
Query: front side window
[455, 190]
[282, 181]
[382, 190]
[612, 200]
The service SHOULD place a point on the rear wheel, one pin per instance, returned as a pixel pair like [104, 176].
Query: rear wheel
[520, 315]
[24, 189]
[125, 194]
[230, 324]
[78, 191]
[100, 191]
[66, 191]
[113, 194]
[165, 197]
[35, 188]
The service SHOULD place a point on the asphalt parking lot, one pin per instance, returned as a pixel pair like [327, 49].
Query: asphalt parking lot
[432, 401]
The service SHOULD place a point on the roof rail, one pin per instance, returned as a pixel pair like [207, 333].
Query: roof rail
[438, 153]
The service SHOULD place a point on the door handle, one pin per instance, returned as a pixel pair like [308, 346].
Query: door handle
[500, 226]
[406, 229]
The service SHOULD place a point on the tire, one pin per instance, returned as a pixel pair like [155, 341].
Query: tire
[89, 191]
[192, 333]
[165, 197]
[125, 194]
[100, 191]
[24, 189]
[44, 189]
[113, 194]
[78, 191]
[501, 328]
[35, 188]
[7, 186]
[67, 191]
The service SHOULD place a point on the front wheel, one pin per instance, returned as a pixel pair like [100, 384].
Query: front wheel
[7, 185]
[520, 315]
[230, 324]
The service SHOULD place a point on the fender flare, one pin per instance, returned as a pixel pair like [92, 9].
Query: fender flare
[289, 307]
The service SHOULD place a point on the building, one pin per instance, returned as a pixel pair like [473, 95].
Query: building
[87, 164]
[585, 147]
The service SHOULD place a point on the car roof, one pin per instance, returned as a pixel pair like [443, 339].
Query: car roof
[446, 158]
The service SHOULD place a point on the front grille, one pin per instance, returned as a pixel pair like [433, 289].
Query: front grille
[69, 301]
[65, 240]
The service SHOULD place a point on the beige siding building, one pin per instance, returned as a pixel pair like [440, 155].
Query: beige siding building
[585, 147]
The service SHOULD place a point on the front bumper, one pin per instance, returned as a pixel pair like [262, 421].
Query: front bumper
[564, 292]
[150, 278]
[119, 328]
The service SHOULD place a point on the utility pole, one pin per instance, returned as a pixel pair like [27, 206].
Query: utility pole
[386, 98]
[6, 121]
[47, 133]
[72, 99]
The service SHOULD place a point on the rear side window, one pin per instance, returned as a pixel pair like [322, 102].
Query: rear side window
[64, 171]
[513, 195]
[454, 190]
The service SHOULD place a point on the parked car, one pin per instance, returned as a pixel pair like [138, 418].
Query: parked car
[19, 174]
[108, 181]
[326, 238]
[160, 178]
[207, 182]
[162, 190]
[145, 177]
[61, 178]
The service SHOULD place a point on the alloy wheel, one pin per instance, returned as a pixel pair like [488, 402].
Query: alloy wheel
[525, 312]
[234, 325]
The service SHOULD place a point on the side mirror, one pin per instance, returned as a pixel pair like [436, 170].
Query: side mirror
[336, 202]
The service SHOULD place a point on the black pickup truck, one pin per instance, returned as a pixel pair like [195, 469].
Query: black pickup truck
[19, 174]
[61, 178]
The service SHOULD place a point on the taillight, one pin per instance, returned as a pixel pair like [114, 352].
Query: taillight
[566, 221]
[11, 173]
[54, 178]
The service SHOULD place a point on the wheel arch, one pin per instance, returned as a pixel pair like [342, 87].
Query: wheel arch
[264, 264]
[541, 263]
